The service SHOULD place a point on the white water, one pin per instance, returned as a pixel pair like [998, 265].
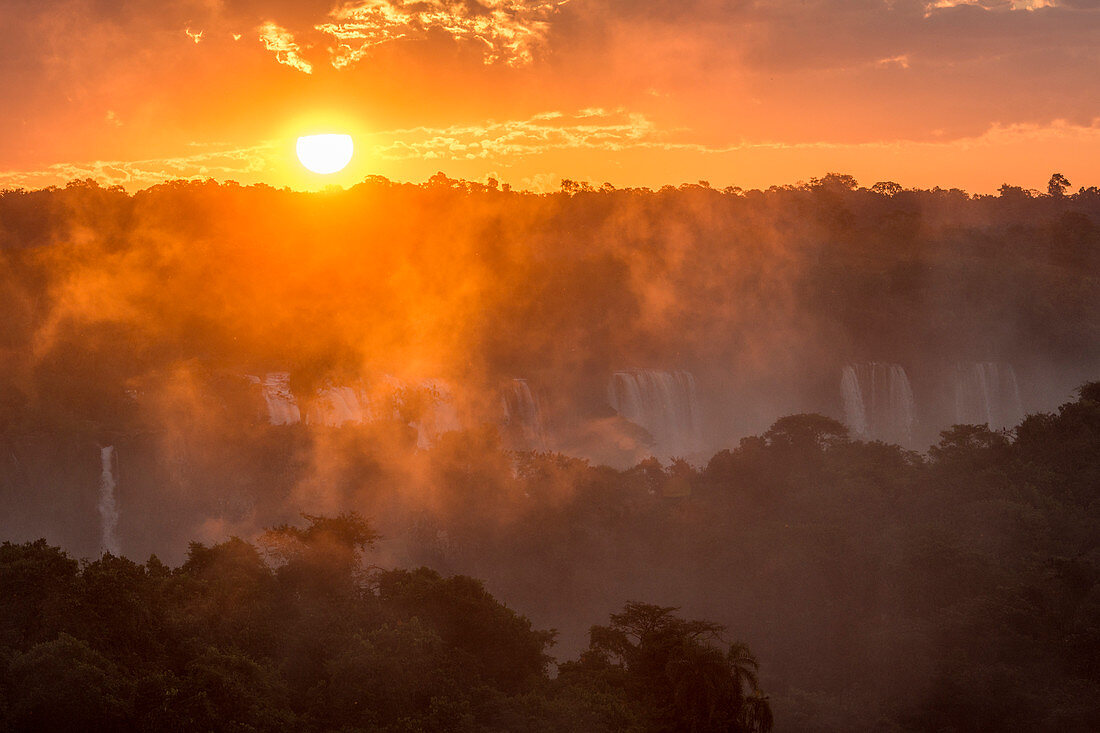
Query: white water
[439, 414]
[282, 408]
[664, 403]
[878, 402]
[108, 507]
[986, 393]
[855, 412]
[338, 405]
[521, 413]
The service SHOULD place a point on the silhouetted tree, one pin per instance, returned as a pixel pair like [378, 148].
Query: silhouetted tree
[1057, 185]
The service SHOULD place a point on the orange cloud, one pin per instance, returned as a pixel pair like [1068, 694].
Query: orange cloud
[590, 128]
[222, 164]
[509, 31]
[993, 4]
[287, 51]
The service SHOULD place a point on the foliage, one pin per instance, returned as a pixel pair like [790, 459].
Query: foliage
[228, 642]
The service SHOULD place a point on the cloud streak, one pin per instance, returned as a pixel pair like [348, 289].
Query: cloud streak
[590, 128]
[508, 32]
[287, 51]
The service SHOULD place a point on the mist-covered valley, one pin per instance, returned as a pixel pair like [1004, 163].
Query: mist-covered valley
[847, 423]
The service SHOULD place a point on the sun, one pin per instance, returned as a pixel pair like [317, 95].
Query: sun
[325, 154]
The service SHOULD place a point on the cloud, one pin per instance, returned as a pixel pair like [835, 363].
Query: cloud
[597, 129]
[994, 4]
[901, 60]
[507, 31]
[287, 51]
[223, 164]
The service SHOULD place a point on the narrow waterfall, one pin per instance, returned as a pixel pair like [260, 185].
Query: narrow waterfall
[108, 506]
[878, 402]
[987, 393]
[664, 403]
[521, 413]
[855, 412]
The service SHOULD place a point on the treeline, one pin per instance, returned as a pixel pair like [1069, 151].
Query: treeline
[297, 634]
[773, 290]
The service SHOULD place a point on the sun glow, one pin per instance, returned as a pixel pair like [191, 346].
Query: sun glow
[325, 154]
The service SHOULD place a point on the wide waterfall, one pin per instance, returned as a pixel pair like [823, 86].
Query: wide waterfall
[282, 408]
[426, 405]
[878, 402]
[108, 506]
[522, 418]
[664, 403]
[337, 405]
[986, 393]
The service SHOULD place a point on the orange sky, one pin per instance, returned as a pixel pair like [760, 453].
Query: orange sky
[954, 93]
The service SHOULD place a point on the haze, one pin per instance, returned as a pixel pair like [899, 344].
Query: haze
[612, 366]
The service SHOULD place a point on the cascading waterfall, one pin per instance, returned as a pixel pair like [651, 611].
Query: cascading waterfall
[282, 407]
[664, 403]
[437, 414]
[108, 506]
[878, 402]
[426, 405]
[521, 413]
[338, 405]
[987, 393]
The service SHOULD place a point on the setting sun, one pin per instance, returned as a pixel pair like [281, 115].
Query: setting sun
[325, 154]
[436, 353]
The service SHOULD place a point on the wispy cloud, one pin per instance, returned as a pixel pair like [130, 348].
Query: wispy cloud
[620, 130]
[221, 164]
[901, 60]
[282, 43]
[510, 142]
[992, 4]
[508, 31]
[601, 129]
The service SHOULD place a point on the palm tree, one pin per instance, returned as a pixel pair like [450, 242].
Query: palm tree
[756, 713]
[743, 666]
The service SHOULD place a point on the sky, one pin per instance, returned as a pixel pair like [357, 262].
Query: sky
[951, 93]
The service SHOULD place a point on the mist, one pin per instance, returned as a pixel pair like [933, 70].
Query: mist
[578, 397]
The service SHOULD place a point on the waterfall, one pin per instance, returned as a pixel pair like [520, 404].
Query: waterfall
[855, 412]
[986, 393]
[108, 508]
[282, 408]
[878, 402]
[337, 405]
[438, 414]
[664, 403]
[426, 405]
[521, 413]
